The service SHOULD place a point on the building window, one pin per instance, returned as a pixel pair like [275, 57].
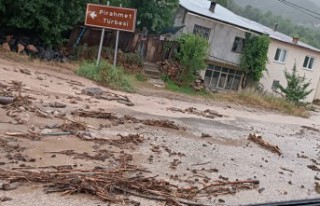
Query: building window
[275, 84]
[281, 55]
[238, 45]
[217, 77]
[308, 62]
[201, 31]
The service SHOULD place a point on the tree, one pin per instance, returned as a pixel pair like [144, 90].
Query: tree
[224, 3]
[48, 18]
[155, 15]
[192, 54]
[297, 86]
[255, 57]
[268, 19]
[2, 7]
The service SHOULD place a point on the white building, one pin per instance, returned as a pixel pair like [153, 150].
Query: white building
[226, 31]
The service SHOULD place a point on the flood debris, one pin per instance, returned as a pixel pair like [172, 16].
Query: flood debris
[29, 135]
[317, 187]
[5, 199]
[135, 139]
[314, 168]
[161, 123]
[109, 184]
[25, 71]
[266, 145]
[204, 135]
[286, 169]
[310, 128]
[100, 155]
[94, 114]
[115, 121]
[191, 110]
[57, 105]
[98, 93]
[73, 126]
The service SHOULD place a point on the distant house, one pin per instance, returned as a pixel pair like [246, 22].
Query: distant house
[226, 31]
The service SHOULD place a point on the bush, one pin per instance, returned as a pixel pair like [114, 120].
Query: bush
[297, 87]
[141, 77]
[191, 55]
[133, 59]
[106, 74]
[170, 85]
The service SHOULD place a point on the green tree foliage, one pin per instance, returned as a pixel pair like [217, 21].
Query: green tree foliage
[51, 18]
[155, 15]
[297, 88]
[255, 56]
[192, 55]
[307, 35]
[224, 3]
[2, 7]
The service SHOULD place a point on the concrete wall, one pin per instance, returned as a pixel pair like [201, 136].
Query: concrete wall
[221, 36]
[294, 53]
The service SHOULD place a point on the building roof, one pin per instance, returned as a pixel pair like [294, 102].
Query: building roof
[201, 7]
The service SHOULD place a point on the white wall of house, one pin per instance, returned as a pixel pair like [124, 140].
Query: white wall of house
[294, 54]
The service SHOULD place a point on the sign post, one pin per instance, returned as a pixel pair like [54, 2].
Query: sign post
[116, 47]
[101, 41]
[109, 17]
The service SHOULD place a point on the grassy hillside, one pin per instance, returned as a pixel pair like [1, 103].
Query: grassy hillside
[279, 8]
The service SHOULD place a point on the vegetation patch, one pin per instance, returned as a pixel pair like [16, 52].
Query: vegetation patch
[254, 58]
[141, 77]
[106, 74]
[254, 98]
[193, 50]
[170, 85]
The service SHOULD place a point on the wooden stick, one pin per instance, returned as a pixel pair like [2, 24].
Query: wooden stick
[200, 164]
[160, 198]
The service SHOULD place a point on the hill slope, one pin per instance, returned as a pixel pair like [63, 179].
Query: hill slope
[279, 8]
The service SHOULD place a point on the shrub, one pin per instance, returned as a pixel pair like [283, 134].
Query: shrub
[297, 86]
[191, 55]
[254, 58]
[133, 59]
[141, 77]
[106, 74]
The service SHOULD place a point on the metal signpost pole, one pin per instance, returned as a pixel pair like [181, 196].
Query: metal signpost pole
[101, 42]
[116, 48]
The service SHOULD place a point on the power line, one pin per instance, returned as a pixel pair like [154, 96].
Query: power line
[300, 8]
[306, 9]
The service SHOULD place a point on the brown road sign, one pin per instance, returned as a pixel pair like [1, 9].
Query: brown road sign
[110, 17]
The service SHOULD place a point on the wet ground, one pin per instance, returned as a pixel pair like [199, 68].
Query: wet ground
[183, 156]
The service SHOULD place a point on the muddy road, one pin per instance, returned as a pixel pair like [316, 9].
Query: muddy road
[67, 141]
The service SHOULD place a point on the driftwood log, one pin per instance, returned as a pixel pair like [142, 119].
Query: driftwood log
[266, 145]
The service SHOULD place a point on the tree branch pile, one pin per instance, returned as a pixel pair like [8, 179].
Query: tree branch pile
[191, 110]
[109, 185]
